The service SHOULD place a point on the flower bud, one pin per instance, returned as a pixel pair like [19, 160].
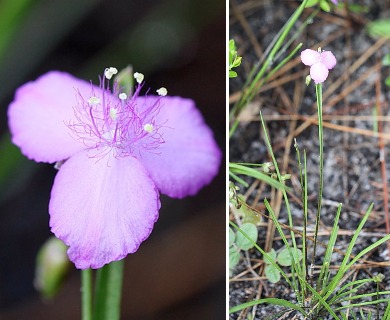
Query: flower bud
[51, 267]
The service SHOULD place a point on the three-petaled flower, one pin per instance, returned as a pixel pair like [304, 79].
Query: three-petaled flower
[116, 153]
[320, 63]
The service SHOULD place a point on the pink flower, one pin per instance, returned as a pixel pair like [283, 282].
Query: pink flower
[320, 63]
[117, 154]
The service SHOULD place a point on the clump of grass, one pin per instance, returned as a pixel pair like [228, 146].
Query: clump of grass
[323, 293]
[322, 288]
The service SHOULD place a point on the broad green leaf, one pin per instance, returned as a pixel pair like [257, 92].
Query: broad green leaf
[234, 257]
[251, 230]
[232, 237]
[272, 255]
[285, 259]
[237, 62]
[232, 74]
[272, 274]
[325, 6]
[387, 81]
[379, 28]
[232, 45]
[386, 60]
[247, 214]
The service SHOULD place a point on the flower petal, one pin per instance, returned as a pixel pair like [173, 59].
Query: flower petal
[102, 208]
[328, 59]
[319, 72]
[309, 57]
[189, 159]
[38, 114]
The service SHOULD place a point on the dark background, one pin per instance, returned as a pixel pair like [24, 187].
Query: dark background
[179, 272]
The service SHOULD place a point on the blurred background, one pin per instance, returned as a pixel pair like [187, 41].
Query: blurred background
[179, 272]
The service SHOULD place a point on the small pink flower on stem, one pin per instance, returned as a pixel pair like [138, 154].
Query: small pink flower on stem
[115, 154]
[320, 63]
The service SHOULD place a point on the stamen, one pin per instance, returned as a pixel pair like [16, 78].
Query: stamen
[109, 72]
[116, 123]
[139, 77]
[148, 127]
[94, 100]
[123, 96]
[162, 91]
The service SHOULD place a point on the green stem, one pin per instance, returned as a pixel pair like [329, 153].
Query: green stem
[109, 291]
[321, 166]
[86, 294]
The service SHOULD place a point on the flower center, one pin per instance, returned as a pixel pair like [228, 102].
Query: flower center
[113, 123]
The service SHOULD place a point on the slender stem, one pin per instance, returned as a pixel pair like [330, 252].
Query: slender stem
[86, 294]
[321, 166]
[109, 291]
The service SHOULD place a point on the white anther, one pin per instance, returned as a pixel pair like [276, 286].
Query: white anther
[123, 96]
[139, 77]
[162, 91]
[148, 127]
[93, 100]
[113, 114]
[109, 72]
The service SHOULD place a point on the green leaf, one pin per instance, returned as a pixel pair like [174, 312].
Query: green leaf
[246, 213]
[234, 60]
[231, 58]
[272, 255]
[379, 28]
[311, 3]
[232, 74]
[325, 6]
[251, 230]
[387, 81]
[232, 45]
[357, 8]
[386, 60]
[272, 274]
[237, 62]
[249, 216]
[234, 257]
[250, 172]
[232, 237]
[285, 259]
